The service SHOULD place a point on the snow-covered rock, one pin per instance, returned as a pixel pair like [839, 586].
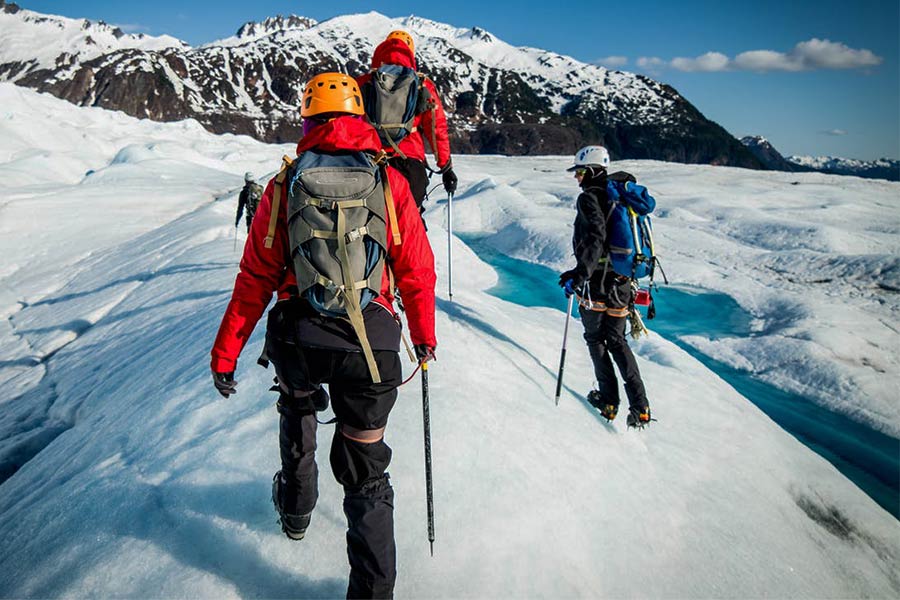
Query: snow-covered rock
[32, 41]
[768, 155]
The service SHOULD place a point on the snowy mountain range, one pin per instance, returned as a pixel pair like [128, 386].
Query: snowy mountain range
[884, 168]
[762, 149]
[500, 98]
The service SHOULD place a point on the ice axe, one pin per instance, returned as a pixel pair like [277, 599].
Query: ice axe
[449, 244]
[562, 355]
[426, 419]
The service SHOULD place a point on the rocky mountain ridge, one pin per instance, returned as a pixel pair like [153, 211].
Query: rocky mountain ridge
[884, 168]
[499, 98]
[768, 155]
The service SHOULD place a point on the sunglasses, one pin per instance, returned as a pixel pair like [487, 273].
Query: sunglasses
[580, 172]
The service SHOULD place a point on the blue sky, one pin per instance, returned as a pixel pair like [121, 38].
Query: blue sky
[826, 82]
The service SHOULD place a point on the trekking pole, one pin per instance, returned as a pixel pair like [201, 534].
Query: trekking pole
[562, 355]
[234, 245]
[428, 487]
[449, 245]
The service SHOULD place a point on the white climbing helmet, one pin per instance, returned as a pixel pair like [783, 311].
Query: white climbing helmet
[248, 176]
[591, 156]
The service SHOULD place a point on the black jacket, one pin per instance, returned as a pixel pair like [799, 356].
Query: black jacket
[589, 241]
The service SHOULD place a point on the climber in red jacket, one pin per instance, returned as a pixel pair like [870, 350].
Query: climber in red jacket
[429, 122]
[359, 362]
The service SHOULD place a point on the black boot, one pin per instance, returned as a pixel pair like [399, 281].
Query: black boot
[608, 410]
[638, 417]
[293, 526]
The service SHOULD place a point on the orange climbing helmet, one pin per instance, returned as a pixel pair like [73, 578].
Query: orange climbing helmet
[331, 92]
[403, 37]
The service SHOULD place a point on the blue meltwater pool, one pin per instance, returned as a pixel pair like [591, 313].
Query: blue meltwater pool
[867, 457]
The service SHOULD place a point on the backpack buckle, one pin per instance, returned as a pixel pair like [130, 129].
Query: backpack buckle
[328, 205]
[355, 234]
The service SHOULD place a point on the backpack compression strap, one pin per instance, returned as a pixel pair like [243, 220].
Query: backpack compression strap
[391, 209]
[276, 200]
[351, 298]
[382, 129]
[380, 159]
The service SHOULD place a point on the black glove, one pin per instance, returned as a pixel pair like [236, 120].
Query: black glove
[573, 275]
[320, 399]
[424, 353]
[225, 383]
[449, 178]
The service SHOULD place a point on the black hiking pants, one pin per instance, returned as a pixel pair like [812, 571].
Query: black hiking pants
[360, 467]
[416, 174]
[605, 337]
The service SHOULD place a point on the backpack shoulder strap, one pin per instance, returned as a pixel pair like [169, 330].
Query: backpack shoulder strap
[612, 203]
[622, 177]
[286, 162]
[389, 203]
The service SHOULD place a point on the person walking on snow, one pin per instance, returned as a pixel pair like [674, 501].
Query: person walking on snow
[604, 297]
[409, 155]
[309, 349]
[249, 198]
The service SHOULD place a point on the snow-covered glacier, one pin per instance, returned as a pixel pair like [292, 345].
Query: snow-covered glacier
[125, 474]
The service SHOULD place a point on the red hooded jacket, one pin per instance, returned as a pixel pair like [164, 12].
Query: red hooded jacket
[433, 129]
[266, 270]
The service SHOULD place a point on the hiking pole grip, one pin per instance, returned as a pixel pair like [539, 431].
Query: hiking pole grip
[429, 491]
[450, 245]
[562, 355]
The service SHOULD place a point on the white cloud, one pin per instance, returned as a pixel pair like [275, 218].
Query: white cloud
[651, 63]
[612, 61]
[711, 61]
[834, 132]
[805, 56]
[824, 54]
[765, 60]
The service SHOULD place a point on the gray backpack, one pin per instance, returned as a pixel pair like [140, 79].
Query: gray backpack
[393, 97]
[337, 210]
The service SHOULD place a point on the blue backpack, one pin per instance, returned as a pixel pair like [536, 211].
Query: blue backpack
[628, 227]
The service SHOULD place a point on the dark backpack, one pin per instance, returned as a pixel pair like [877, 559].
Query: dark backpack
[628, 227]
[337, 210]
[254, 195]
[393, 97]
